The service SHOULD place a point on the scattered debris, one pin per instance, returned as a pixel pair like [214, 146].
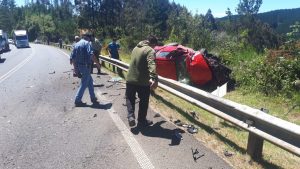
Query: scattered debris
[115, 79]
[192, 129]
[178, 122]
[196, 155]
[227, 153]
[121, 88]
[156, 115]
[99, 85]
[194, 115]
[115, 94]
[104, 93]
[52, 72]
[109, 86]
[95, 115]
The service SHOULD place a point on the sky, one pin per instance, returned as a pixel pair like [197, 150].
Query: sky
[218, 7]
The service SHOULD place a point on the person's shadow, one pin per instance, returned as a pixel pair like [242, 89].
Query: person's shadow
[101, 106]
[2, 60]
[157, 131]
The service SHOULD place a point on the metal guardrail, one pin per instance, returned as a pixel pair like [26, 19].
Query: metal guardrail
[260, 125]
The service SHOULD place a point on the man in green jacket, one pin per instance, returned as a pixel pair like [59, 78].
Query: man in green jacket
[142, 68]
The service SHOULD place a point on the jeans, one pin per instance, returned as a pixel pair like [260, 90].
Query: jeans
[143, 94]
[86, 82]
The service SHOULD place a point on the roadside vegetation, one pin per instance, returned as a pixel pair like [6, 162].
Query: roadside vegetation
[265, 64]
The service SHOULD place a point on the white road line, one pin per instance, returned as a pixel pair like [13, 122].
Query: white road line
[65, 54]
[135, 147]
[16, 68]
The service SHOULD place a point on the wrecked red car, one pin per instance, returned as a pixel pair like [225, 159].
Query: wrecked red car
[183, 64]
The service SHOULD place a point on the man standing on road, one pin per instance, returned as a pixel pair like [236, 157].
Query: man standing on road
[96, 46]
[142, 68]
[83, 55]
[76, 72]
[113, 50]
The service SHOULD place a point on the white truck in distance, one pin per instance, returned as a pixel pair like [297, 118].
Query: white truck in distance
[21, 38]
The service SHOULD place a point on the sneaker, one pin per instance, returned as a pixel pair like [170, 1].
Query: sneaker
[80, 104]
[131, 121]
[94, 100]
[145, 123]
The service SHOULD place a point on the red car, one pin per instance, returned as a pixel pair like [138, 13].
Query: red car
[181, 63]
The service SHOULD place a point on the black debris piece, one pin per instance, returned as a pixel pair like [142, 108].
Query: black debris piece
[157, 115]
[196, 154]
[194, 115]
[178, 123]
[227, 153]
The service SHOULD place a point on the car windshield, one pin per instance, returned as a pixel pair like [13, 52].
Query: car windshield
[21, 37]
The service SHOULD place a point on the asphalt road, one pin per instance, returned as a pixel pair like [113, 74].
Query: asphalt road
[41, 129]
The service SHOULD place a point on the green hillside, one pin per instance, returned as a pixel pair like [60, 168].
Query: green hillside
[280, 20]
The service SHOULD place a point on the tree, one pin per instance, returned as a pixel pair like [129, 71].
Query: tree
[210, 20]
[248, 7]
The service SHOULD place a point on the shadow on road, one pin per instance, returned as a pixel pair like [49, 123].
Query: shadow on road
[157, 131]
[98, 106]
[2, 60]
[101, 106]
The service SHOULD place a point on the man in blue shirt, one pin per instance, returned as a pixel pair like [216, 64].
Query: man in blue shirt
[113, 50]
[83, 56]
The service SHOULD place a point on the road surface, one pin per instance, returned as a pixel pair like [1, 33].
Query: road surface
[41, 129]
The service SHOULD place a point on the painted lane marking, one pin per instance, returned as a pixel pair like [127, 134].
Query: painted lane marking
[16, 68]
[135, 147]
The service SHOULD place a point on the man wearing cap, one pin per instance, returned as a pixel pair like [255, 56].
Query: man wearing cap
[142, 68]
[83, 56]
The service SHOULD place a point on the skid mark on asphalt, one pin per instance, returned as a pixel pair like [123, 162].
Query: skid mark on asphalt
[16, 68]
[135, 147]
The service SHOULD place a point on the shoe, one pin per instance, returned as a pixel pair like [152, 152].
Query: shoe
[80, 104]
[94, 100]
[145, 123]
[131, 121]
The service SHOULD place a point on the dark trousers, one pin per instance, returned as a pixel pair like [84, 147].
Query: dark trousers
[143, 94]
[97, 53]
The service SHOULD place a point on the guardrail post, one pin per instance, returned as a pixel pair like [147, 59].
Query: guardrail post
[255, 146]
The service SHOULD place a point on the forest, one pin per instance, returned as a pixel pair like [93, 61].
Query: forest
[263, 53]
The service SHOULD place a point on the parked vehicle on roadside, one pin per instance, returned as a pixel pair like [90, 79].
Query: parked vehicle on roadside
[21, 38]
